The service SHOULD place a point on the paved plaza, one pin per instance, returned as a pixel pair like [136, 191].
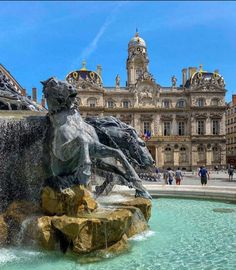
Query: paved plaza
[219, 179]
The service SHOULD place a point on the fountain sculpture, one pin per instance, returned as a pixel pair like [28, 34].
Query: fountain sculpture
[65, 212]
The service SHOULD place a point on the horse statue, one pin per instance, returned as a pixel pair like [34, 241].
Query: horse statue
[75, 144]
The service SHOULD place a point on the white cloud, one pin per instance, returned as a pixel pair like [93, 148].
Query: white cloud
[93, 44]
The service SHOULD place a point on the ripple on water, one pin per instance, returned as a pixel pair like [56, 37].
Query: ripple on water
[184, 234]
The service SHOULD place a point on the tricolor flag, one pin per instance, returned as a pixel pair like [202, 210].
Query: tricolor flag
[147, 135]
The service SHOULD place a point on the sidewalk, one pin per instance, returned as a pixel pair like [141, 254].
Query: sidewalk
[220, 179]
[218, 188]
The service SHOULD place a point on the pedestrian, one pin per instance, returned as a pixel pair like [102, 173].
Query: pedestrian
[231, 173]
[204, 175]
[165, 176]
[178, 176]
[170, 176]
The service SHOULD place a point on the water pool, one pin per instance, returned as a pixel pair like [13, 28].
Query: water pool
[184, 234]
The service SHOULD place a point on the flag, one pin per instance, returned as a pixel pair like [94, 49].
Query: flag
[147, 135]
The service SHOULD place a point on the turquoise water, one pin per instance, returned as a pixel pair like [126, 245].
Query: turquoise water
[184, 234]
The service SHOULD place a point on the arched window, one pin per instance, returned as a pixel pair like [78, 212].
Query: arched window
[92, 102]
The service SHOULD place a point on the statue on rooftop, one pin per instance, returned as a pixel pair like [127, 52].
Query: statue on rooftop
[117, 81]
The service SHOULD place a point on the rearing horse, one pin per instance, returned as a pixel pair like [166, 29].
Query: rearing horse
[75, 143]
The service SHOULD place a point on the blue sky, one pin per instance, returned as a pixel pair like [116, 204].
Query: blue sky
[43, 39]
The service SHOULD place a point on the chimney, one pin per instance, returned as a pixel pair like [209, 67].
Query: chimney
[23, 92]
[234, 99]
[191, 71]
[99, 70]
[184, 76]
[43, 101]
[34, 94]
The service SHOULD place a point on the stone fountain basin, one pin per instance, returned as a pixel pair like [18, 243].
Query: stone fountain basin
[105, 228]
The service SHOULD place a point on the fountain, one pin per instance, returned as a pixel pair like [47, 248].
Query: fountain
[47, 199]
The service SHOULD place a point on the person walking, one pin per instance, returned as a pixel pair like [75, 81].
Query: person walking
[165, 176]
[204, 175]
[178, 176]
[170, 176]
[231, 173]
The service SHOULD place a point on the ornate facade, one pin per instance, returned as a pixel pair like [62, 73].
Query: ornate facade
[231, 132]
[186, 123]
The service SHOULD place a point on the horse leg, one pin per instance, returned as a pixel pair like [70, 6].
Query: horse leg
[103, 151]
[83, 170]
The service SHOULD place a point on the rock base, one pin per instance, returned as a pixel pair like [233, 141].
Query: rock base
[101, 230]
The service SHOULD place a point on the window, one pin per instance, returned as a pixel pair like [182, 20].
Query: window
[110, 104]
[180, 104]
[200, 127]
[166, 104]
[167, 128]
[146, 127]
[201, 154]
[215, 127]
[92, 102]
[125, 104]
[181, 128]
[200, 102]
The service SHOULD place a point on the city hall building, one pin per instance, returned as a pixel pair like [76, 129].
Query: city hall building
[184, 125]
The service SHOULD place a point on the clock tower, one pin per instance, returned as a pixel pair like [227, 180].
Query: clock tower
[137, 62]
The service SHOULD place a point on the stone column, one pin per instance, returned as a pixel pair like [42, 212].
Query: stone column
[222, 125]
[193, 126]
[137, 123]
[194, 157]
[160, 157]
[208, 157]
[176, 157]
[174, 126]
[208, 126]
[156, 156]
[156, 120]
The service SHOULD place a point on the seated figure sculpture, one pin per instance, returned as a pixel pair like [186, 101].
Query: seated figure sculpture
[75, 143]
